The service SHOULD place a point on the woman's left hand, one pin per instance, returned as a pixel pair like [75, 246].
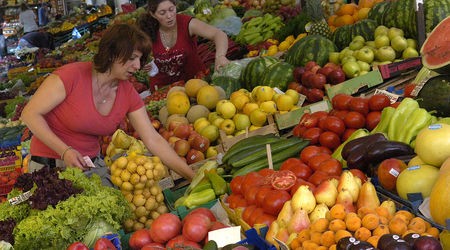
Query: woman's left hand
[221, 61]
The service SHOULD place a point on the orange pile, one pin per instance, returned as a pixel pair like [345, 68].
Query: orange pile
[350, 13]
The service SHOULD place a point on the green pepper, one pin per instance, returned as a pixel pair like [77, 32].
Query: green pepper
[400, 117]
[179, 201]
[337, 154]
[419, 119]
[385, 119]
[217, 182]
[199, 198]
[200, 175]
[202, 185]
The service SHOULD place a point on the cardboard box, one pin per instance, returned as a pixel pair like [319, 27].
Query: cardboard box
[292, 118]
[355, 85]
[397, 68]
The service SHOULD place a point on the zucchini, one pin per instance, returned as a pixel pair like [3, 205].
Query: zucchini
[249, 151]
[276, 158]
[275, 147]
[246, 144]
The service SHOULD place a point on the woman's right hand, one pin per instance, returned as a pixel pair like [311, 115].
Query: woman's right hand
[73, 158]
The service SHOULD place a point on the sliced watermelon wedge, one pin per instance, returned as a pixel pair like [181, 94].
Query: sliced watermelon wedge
[435, 50]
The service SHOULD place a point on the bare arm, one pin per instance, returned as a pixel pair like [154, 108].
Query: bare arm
[157, 145]
[199, 28]
[50, 94]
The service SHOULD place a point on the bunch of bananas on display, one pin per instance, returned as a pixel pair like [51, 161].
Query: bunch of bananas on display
[259, 29]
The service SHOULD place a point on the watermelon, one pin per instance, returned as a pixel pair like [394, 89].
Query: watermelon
[435, 11]
[278, 75]
[365, 28]
[401, 14]
[251, 75]
[342, 36]
[435, 95]
[377, 12]
[311, 48]
[435, 50]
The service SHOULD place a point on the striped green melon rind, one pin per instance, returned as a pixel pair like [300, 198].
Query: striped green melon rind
[435, 95]
[435, 51]
[311, 48]
[377, 12]
[342, 36]
[278, 75]
[251, 75]
[435, 11]
[365, 28]
[401, 14]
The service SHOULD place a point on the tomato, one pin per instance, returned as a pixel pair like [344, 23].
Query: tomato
[104, 244]
[153, 246]
[77, 246]
[312, 134]
[250, 195]
[317, 177]
[330, 140]
[334, 124]
[283, 180]
[247, 212]
[265, 172]
[180, 242]
[408, 89]
[202, 210]
[308, 121]
[310, 151]
[360, 174]
[265, 219]
[341, 101]
[165, 227]
[354, 120]
[236, 200]
[255, 214]
[378, 102]
[299, 130]
[347, 133]
[139, 238]
[320, 114]
[339, 113]
[301, 170]
[359, 104]
[235, 184]
[301, 182]
[289, 163]
[395, 104]
[196, 227]
[372, 119]
[263, 190]
[251, 179]
[316, 160]
[274, 200]
[331, 167]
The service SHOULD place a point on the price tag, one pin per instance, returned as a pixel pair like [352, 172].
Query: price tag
[301, 100]
[166, 183]
[89, 162]
[21, 198]
[392, 97]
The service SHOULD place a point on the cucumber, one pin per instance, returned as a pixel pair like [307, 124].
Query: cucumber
[276, 158]
[275, 147]
[246, 144]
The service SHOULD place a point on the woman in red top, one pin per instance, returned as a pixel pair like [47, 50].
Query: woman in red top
[81, 101]
[174, 38]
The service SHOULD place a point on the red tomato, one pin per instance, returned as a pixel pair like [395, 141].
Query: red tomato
[153, 246]
[408, 89]
[255, 214]
[354, 120]
[378, 102]
[250, 195]
[263, 190]
[312, 134]
[283, 180]
[104, 244]
[330, 140]
[140, 238]
[317, 177]
[202, 210]
[77, 246]
[316, 160]
[236, 183]
[265, 219]
[372, 119]
[265, 172]
[347, 133]
[289, 163]
[180, 242]
[395, 104]
[331, 167]
[301, 170]
[196, 227]
[359, 104]
[339, 113]
[341, 101]
[236, 200]
[247, 212]
[360, 174]
[299, 130]
[308, 121]
[301, 182]
[251, 179]
[312, 150]
[274, 200]
[334, 124]
[320, 114]
[165, 227]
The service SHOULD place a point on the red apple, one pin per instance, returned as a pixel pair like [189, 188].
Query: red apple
[309, 65]
[315, 95]
[181, 147]
[306, 79]
[156, 123]
[298, 72]
[315, 69]
[293, 85]
[388, 171]
[182, 131]
[336, 76]
[194, 156]
[172, 140]
[325, 70]
[166, 134]
[200, 143]
[318, 81]
[331, 65]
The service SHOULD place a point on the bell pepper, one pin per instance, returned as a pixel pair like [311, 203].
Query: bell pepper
[199, 198]
[400, 117]
[202, 185]
[419, 119]
[200, 175]
[385, 119]
[218, 184]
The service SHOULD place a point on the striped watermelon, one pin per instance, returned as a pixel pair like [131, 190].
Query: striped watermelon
[401, 14]
[365, 28]
[342, 36]
[311, 48]
[251, 75]
[278, 75]
[435, 49]
[435, 11]
[377, 12]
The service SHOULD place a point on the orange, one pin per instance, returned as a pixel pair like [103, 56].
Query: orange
[347, 9]
[343, 20]
[366, 3]
[331, 20]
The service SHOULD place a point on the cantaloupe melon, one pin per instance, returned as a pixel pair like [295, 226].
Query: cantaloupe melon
[440, 195]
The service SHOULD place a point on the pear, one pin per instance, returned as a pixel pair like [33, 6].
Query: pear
[390, 205]
[272, 233]
[345, 198]
[285, 214]
[282, 234]
[320, 211]
[348, 182]
[303, 198]
[299, 221]
[326, 193]
[368, 196]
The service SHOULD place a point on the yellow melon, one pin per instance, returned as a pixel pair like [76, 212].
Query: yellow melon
[208, 96]
[440, 193]
[193, 85]
[178, 103]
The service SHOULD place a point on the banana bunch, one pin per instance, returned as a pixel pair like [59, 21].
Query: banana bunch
[259, 29]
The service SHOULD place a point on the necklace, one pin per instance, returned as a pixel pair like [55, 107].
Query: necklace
[167, 43]
[104, 99]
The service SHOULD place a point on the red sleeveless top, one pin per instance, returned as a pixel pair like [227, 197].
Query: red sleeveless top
[181, 62]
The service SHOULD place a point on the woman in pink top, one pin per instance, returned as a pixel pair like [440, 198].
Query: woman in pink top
[81, 101]
[174, 38]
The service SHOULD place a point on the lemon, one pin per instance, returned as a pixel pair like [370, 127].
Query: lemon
[116, 180]
[148, 165]
[143, 179]
[285, 102]
[135, 178]
[128, 196]
[146, 193]
[140, 170]
[139, 186]
[150, 204]
[125, 175]
[141, 160]
[154, 190]
[294, 94]
[139, 200]
[126, 186]
[149, 174]
[160, 197]
[121, 162]
[131, 167]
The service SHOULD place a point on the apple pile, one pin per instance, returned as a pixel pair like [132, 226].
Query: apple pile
[349, 113]
[310, 80]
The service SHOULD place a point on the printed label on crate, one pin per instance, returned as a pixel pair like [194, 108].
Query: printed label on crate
[166, 183]
[21, 198]
[232, 235]
[392, 97]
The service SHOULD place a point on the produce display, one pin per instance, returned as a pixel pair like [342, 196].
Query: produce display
[329, 129]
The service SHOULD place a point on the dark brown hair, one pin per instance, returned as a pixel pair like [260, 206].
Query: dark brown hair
[118, 43]
[146, 22]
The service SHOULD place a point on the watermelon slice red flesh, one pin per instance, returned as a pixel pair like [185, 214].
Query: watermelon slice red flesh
[435, 50]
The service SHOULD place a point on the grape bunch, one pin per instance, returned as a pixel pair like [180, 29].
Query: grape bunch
[153, 107]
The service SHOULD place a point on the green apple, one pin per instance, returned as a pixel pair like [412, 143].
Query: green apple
[363, 72]
[380, 30]
[228, 126]
[211, 132]
[213, 116]
[399, 43]
[409, 53]
[217, 121]
[385, 53]
[334, 57]
[363, 66]
[382, 40]
[345, 52]
[355, 45]
[370, 44]
[226, 109]
[241, 121]
[412, 43]
[393, 32]
[365, 55]
[348, 59]
[359, 38]
[351, 69]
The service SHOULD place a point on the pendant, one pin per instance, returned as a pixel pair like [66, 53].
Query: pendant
[103, 101]
[167, 49]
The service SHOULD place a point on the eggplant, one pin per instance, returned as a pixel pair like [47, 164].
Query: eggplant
[364, 141]
[377, 152]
